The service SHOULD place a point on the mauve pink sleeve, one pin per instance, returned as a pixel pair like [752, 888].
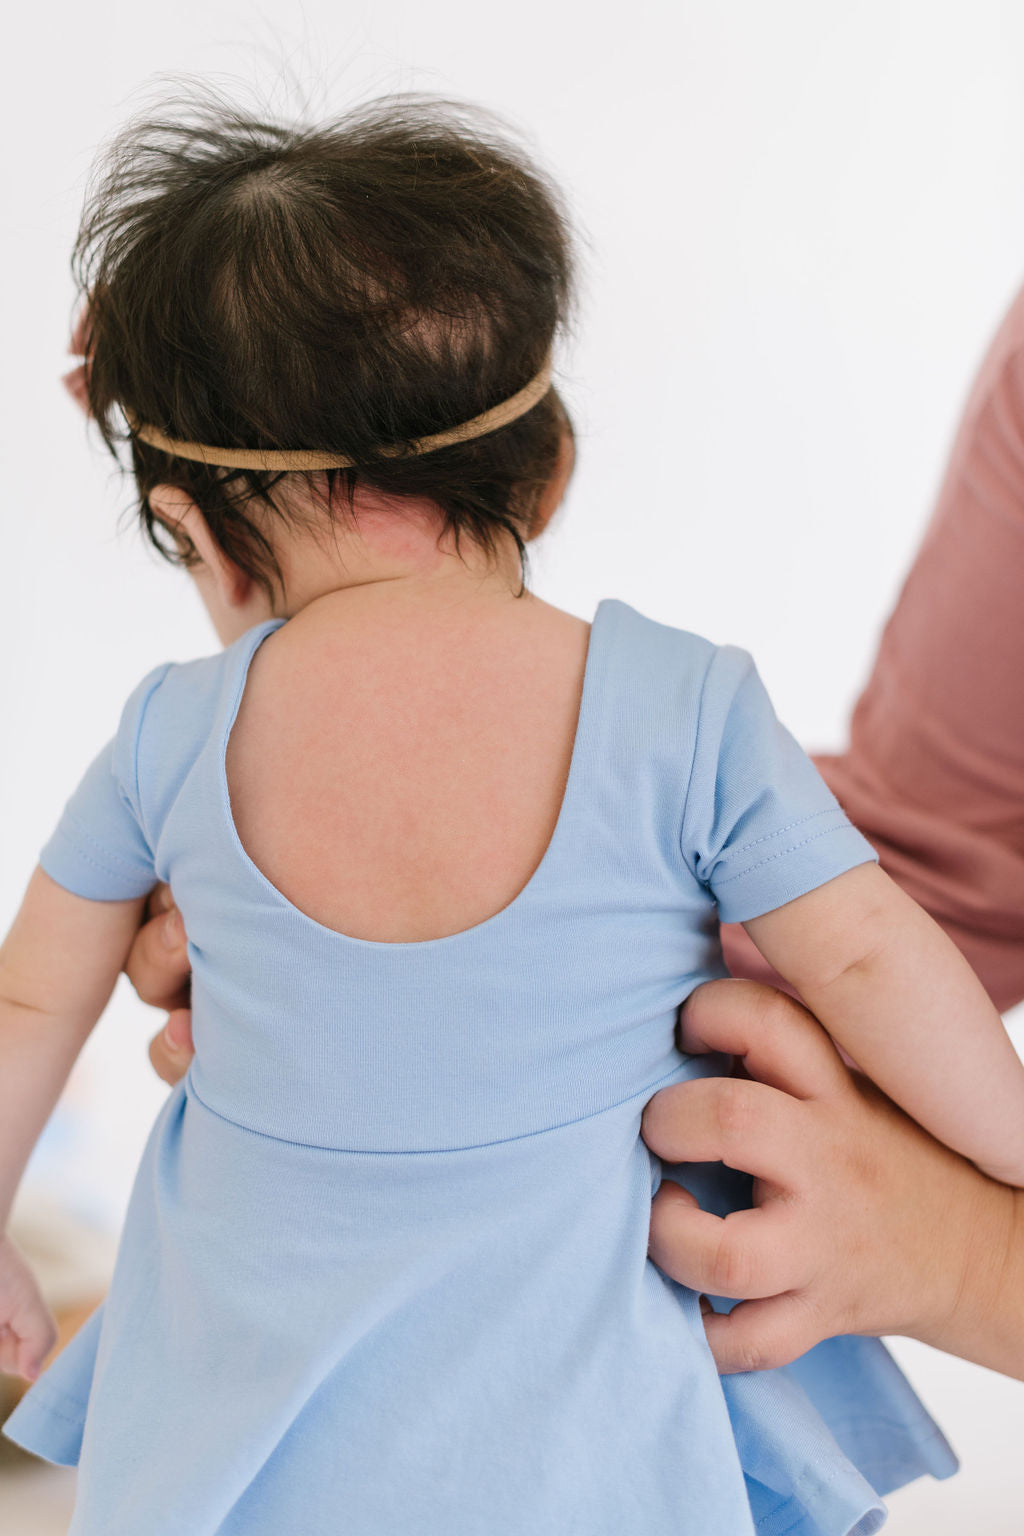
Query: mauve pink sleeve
[934, 774]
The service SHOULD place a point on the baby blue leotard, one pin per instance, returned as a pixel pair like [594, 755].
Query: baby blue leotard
[384, 1268]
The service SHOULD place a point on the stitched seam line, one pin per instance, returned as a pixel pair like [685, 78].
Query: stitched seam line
[476, 1146]
[136, 804]
[102, 858]
[693, 762]
[833, 810]
[811, 1482]
[782, 853]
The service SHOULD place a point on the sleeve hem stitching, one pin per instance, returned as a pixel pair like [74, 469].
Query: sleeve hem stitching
[832, 810]
[783, 852]
[87, 849]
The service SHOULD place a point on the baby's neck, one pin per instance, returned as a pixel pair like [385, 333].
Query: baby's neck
[394, 555]
[446, 591]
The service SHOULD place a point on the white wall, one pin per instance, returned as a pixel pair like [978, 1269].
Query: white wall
[802, 222]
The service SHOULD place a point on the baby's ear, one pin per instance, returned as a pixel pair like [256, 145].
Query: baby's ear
[183, 519]
[172, 509]
[170, 506]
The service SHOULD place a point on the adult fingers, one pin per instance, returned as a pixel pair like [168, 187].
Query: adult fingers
[761, 1335]
[745, 1254]
[731, 1120]
[158, 965]
[159, 900]
[170, 1051]
[781, 1042]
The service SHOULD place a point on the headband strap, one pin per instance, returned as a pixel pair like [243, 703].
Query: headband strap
[272, 459]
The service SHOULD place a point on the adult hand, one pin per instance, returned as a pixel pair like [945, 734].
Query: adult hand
[862, 1223]
[158, 968]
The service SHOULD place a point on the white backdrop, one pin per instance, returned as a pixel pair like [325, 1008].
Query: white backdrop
[800, 223]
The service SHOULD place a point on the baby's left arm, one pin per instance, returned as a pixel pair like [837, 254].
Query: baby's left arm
[58, 966]
[896, 993]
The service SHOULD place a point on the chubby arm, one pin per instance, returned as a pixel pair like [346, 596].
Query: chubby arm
[58, 966]
[898, 996]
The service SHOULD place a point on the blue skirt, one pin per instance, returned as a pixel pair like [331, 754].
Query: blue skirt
[298, 1339]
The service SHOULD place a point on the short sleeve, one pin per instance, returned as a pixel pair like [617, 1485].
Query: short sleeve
[760, 825]
[99, 847]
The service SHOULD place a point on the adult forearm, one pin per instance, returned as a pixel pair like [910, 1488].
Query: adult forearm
[985, 1323]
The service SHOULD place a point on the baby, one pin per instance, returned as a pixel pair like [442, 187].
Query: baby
[449, 858]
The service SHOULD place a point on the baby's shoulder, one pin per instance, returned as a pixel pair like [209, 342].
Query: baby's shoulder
[178, 693]
[184, 695]
[687, 664]
[175, 712]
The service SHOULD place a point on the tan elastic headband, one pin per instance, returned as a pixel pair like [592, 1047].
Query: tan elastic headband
[300, 458]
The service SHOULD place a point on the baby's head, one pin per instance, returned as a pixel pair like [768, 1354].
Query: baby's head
[346, 288]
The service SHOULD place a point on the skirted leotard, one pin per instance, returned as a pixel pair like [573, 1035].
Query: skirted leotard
[384, 1268]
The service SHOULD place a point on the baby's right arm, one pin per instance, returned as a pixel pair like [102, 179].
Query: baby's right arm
[896, 993]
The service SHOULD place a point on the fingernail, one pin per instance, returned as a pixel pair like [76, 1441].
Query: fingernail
[173, 930]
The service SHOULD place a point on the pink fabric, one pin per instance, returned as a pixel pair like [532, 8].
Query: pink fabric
[934, 773]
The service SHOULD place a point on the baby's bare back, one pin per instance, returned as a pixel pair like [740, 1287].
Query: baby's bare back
[397, 769]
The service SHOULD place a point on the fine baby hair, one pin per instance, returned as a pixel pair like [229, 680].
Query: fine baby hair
[347, 287]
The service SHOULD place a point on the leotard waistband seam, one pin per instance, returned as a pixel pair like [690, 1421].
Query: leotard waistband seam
[189, 1088]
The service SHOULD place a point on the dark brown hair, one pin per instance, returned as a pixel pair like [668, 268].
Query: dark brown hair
[339, 287]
